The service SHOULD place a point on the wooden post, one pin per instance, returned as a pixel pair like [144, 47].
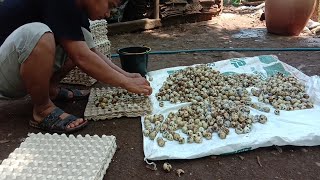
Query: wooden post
[315, 15]
[156, 9]
[318, 9]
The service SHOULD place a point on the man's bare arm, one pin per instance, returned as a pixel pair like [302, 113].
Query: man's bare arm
[110, 63]
[96, 67]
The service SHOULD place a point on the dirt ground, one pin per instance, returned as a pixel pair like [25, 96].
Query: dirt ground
[227, 30]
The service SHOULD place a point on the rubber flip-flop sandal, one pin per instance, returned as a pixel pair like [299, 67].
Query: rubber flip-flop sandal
[53, 123]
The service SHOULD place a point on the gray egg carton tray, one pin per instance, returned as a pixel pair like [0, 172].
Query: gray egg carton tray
[78, 77]
[59, 157]
[129, 107]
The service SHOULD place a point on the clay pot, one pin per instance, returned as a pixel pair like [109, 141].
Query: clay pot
[288, 17]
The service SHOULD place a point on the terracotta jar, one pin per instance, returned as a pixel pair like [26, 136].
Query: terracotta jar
[288, 17]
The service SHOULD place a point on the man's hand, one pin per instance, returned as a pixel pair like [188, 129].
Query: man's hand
[133, 75]
[138, 85]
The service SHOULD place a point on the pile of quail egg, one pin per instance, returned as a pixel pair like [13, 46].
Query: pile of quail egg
[202, 82]
[200, 120]
[283, 93]
[219, 102]
[118, 97]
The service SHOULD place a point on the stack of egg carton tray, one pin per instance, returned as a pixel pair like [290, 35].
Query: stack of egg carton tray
[59, 157]
[129, 105]
[99, 32]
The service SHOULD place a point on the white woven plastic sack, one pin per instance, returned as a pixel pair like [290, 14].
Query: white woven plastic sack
[299, 128]
[314, 88]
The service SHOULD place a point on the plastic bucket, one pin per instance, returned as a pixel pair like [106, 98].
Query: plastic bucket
[134, 59]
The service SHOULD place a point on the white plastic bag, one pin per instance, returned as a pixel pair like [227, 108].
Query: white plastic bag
[300, 128]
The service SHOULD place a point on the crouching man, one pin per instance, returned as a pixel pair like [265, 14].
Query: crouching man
[40, 42]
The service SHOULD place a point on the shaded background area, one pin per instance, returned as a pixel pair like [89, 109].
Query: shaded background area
[227, 30]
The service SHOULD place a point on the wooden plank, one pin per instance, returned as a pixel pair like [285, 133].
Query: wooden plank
[132, 26]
